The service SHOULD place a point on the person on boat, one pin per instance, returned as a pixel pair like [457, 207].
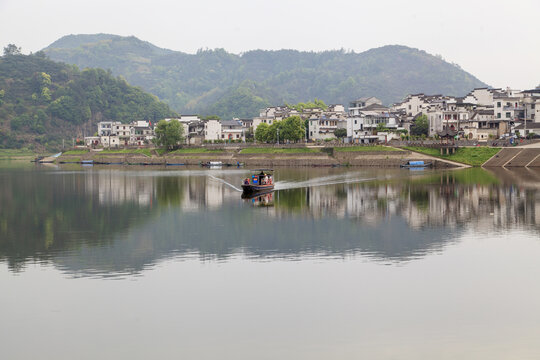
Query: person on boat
[246, 181]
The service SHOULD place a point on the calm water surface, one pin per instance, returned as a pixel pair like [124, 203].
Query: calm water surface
[127, 263]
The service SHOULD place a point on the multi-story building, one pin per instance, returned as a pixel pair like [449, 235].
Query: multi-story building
[232, 130]
[356, 106]
[323, 125]
[365, 115]
[142, 133]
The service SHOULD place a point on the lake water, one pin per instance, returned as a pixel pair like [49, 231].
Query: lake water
[338, 263]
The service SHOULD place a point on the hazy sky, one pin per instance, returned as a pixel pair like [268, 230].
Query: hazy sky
[497, 41]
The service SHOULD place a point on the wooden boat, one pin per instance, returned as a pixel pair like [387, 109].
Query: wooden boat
[262, 180]
[416, 164]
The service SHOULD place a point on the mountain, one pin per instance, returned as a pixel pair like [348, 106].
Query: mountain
[205, 81]
[43, 102]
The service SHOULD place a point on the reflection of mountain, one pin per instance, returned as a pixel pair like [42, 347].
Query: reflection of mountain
[114, 221]
[43, 213]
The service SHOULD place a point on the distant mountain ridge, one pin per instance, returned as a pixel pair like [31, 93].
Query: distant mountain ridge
[215, 81]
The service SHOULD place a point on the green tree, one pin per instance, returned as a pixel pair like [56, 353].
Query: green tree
[211, 117]
[421, 126]
[261, 132]
[169, 133]
[315, 104]
[340, 133]
[46, 94]
[292, 129]
[381, 127]
[12, 49]
[274, 132]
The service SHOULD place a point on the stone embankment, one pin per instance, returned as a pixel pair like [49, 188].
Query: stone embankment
[515, 157]
[326, 157]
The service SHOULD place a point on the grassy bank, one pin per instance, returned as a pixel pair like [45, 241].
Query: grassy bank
[366, 148]
[146, 152]
[279, 151]
[474, 156]
[16, 153]
[75, 152]
[194, 151]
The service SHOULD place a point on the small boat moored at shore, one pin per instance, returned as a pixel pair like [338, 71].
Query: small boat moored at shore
[212, 164]
[416, 164]
[262, 180]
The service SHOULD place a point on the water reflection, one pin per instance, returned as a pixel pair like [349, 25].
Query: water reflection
[115, 222]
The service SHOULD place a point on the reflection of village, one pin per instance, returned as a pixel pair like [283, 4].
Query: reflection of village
[187, 192]
[442, 202]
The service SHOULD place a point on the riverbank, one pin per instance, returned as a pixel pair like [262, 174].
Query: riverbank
[16, 154]
[370, 156]
[472, 156]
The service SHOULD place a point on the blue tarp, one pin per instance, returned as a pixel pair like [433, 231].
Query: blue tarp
[420, 163]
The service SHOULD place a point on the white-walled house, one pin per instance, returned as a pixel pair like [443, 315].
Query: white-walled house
[322, 126]
[507, 108]
[357, 105]
[232, 130]
[480, 96]
[142, 133]
[212, 130]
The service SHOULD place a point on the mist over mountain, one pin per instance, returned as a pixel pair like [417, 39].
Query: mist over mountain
[218, 82]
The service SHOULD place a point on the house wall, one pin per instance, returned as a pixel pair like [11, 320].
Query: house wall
[212, 130]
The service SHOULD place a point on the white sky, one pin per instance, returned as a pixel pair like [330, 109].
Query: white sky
[497, 41]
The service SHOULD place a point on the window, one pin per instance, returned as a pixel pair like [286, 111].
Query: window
[507, 115]
[355, 122]
[498, 104]
[498, 115]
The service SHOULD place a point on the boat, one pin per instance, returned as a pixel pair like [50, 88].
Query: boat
[261, 180]
[212, 164]
[416, 164]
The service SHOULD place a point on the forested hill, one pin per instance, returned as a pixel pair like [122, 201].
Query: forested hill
[43, 102]
[215, 81]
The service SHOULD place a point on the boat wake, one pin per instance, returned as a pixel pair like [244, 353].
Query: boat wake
[225, 182]
[323, 181]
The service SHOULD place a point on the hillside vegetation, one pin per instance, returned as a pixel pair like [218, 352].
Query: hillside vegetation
[43, 102]
[218, 82]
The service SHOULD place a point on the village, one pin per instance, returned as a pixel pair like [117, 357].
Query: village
[483, 114]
